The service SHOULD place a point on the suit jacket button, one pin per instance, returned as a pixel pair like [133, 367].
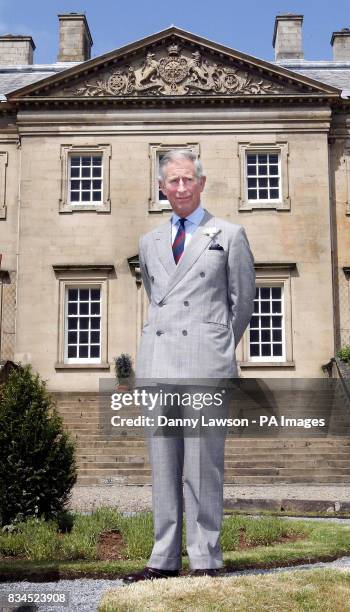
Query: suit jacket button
[202, 274]
[159, 332]
[184, 332]
[186, 303]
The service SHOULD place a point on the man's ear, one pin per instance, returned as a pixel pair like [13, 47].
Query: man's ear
[162, 187]
[202, 181]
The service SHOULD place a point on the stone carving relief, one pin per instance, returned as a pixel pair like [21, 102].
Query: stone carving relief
[177, 74]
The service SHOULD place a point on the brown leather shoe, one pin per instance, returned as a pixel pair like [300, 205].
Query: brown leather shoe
[204, 572]
[150, 573]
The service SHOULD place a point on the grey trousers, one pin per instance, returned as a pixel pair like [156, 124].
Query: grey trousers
[200, 462]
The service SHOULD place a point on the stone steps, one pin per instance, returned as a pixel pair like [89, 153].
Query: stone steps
[107, 455]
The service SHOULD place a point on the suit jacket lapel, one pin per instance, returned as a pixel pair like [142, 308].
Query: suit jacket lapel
[162, 239]
[197, 245]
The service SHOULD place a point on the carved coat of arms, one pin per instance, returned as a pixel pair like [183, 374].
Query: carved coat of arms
[177, 74]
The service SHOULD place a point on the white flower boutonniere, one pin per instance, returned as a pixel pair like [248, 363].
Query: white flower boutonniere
[211, 231]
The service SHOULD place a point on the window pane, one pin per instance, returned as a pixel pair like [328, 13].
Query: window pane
[273, 169]
[72, 337]
[252, 194]
[274, 182]
[266, 335]
[265, 306]
[95, 336]
[83, 337]
[262, 159]
[84, 295]
[86, 161]
[277, 335]
[94, 351]
[85, 196]
[262, 170]
[266, 350]
[72, 294]
[265, 293]
[97, 161]
[252, 182]
[75, 161]
[254, 335]
[263, 182]
[83, 351]
[86, 172]
[84, 323]
[274, 194]
[95, 294]
[74, 196]
[265, 321]
[276, 293]
[263, 194]
[95, 323]
[72, 323]
[72, 308]
[254, 322]
[273, 159]
[97, 172]
[276, 321]
[276, 306]
[254, 350]
[96, 196]
[72, 352]
[251, 159]
[277, 350]
[74, 172]
[84, 308]
[95, 308]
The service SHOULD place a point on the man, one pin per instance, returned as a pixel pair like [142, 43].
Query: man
[199, 276]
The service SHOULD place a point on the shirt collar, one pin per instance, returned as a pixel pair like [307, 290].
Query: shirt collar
[195, 217]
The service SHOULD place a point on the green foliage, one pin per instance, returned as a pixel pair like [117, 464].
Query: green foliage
[123, 366]
[344, 353]
[37, 466]
[38, 540]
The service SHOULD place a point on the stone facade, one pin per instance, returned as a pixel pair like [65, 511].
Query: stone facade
[174, 89]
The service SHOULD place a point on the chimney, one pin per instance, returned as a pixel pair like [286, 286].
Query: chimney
[287, 38]
[75, 38]
[341, 45]
[16, 50]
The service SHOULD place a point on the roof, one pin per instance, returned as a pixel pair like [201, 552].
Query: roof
[14, 77]
[336, 74]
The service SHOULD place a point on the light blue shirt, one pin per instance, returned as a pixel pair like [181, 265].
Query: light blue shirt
[192, 222]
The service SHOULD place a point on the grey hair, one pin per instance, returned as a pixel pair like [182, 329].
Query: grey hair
[174, 155]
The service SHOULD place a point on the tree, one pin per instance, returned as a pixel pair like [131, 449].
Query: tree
[37, 464]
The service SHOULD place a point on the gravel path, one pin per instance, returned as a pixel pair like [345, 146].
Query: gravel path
[137, 498]
[85, 595]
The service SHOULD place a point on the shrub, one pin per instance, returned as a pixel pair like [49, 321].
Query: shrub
[37, 466]
[123, 366]
[344, 353]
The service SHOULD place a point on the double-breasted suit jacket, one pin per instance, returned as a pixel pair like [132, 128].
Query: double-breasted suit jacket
[200, 307]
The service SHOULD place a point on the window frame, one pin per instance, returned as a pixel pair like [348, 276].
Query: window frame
[282, 150]
[82, 277]
[69, 151]
[155, 149]
[80, 360]
[273, 359]
[273, 275]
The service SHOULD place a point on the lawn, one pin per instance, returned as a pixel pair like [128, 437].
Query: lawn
[292, 591]
[108, 544]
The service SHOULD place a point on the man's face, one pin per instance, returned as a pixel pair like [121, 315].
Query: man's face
[181, 186]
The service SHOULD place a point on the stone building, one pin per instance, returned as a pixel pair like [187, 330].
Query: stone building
[80, 143]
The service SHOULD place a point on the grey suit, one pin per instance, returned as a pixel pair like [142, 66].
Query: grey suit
[198, 312]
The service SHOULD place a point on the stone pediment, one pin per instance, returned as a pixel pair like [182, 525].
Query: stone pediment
[173, 64]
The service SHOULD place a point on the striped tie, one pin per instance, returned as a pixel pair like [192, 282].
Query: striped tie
[179, 242]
